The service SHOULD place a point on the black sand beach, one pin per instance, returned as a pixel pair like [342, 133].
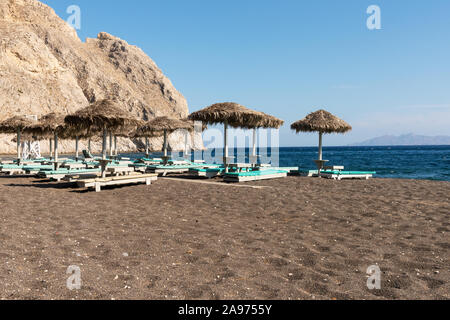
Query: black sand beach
[294, 238]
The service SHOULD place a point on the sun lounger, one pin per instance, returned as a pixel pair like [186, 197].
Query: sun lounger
[88, 156]
[139, 167]
[206, 172]
[173, 167]
[119, 170]
[74, 177]
[34, 169]
[98, 183]
[309, 173]
[149, 161]
[339, 175]
[11, 169]
[290, 170]
[73, 165]
[164, 170]
[254, 175]
[59, 174]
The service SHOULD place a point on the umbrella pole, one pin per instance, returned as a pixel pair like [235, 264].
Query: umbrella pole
[253, 158]
[320, 145]
[165, 144]
[89, 145]
[115, 145]
[76, 148]
[103, 162]
[104, 145]
[56, 151]
[50, 142]
[186, 142]
[146, 147]
[18, 146]
[110, 144]
[225, 144]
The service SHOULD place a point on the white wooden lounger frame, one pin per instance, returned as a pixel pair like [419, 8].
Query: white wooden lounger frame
[120, 170]
[207, 174]
[11, 172]
[236, 178]
[345, 176]
[164, 172]
[97, 184]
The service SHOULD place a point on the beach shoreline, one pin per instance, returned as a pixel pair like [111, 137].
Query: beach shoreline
[293, 238]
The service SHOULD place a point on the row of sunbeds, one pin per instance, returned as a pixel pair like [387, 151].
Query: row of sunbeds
[87, 172]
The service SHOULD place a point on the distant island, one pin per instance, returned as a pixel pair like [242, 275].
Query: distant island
[405, 140]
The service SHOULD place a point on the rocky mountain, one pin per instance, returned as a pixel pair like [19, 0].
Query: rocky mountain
[406, 140]
[45, 67]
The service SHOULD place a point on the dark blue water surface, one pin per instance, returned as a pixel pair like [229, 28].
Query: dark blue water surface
[409, 162]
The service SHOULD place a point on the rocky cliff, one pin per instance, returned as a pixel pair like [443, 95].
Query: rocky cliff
[45, 67]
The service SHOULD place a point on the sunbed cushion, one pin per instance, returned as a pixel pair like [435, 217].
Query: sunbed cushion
[255, 173]
[349, 172]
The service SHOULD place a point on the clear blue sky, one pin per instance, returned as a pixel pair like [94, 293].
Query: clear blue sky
[291, 57]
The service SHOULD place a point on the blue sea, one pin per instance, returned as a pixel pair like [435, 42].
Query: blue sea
[407, 162]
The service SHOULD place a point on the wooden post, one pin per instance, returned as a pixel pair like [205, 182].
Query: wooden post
[110, 145]
[18, 146]
[89, 145]
[104, 144]
[254, 143]
[225, 146]
[50, 142]
[56, 151]
[146, 148]
[165, 143]
[76, 148]
[320, 145]
[186, 144]
[115, 146]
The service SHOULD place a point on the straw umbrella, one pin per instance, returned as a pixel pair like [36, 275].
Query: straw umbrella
[102, 116]
[323, 122]
[162, 126]
[236, 116]
[16, 125]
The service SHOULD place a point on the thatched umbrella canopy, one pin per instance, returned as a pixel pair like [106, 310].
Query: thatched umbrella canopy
[47, 125]
[237, 116]
[323, 122]
[11, 125]
[162, 126]
[16, 125]
[102, 116]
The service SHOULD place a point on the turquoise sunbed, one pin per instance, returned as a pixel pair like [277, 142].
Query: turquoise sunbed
[61, 173]
[292, 170]
[11, 169]
[165, 169]
[11, 166]
[207, 172]
[36, 169]
[141, 160]
[254, 175]
[339, 175]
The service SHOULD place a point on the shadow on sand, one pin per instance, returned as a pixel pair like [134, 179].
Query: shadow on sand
[69, 186]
